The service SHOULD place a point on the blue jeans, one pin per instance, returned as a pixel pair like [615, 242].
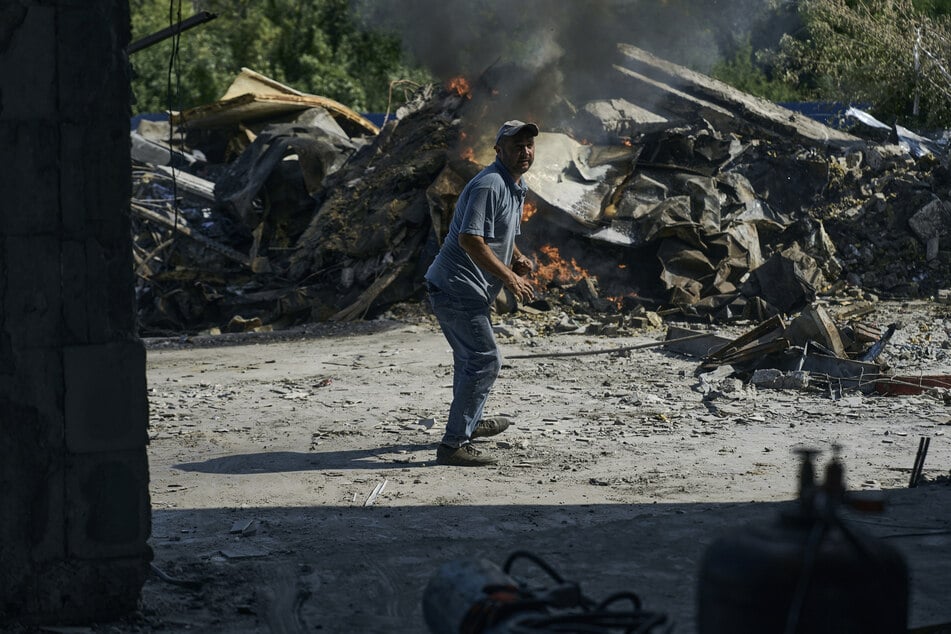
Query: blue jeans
[476, 360]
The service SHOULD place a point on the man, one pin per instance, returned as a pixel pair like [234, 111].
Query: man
[476, 260]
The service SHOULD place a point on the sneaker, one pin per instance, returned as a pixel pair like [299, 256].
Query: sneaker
[464, 456]
[491, 426]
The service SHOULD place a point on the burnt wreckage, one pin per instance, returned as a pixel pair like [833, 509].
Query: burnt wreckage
[271, 208]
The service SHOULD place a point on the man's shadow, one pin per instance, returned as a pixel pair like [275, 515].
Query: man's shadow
[391, 457]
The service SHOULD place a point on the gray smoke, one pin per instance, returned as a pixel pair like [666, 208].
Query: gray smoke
[455, 37]
[537, 53]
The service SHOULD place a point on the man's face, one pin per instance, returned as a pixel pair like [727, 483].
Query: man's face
[517, 153]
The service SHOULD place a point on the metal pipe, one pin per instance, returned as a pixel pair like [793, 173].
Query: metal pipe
[167, 32]
[919, 465]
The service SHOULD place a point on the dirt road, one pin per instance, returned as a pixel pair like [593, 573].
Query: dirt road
[293, 476]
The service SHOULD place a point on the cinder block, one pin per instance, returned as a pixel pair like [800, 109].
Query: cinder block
[36, 384]
[78, 591]
[98, 295]
[99, 186]
[28, 64]
[107, 505]
[32, 477]
[106, 400]
[76, 291]
[31, 301]
[29, 180]
[100, 31]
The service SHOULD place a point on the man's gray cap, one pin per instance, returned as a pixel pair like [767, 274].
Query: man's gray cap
[513, 127]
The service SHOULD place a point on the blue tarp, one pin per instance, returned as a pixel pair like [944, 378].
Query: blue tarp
[147, 116]
[830, 113]
[376, 118]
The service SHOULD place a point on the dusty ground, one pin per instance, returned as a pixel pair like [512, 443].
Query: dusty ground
[619, 471]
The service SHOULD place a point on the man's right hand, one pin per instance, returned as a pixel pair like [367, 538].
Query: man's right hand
[482, 255]
[520, 287]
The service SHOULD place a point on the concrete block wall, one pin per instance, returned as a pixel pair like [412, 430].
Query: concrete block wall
[74, 505]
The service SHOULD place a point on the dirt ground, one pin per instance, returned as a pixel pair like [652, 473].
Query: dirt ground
[266, 452]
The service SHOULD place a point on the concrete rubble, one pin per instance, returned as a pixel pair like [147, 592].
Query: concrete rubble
[710, 204]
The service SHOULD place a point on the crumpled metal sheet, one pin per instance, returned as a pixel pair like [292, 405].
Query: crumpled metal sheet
[562, 179]
[317, 152]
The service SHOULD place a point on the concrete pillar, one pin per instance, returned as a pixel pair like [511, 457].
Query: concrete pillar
[74, 505]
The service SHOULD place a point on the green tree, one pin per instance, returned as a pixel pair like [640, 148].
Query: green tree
[933, 8]
[743, 72]
[884, 52]
[159, 83]
[315, 46]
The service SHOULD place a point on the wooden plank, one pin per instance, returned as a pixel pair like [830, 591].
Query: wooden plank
[754, 352]
[768, 330]
[189, 182]
[178, 224]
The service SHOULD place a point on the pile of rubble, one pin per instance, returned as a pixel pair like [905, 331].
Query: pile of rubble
[270, 207]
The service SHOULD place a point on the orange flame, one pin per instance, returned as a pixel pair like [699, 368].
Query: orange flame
[460, 85]
[528, 210]
[466, 152]
[557, 270]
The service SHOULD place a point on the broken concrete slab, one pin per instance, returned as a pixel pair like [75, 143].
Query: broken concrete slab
[931, 221]
[615, 118]
[770, 118]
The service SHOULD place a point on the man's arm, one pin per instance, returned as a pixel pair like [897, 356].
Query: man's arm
[482, 255]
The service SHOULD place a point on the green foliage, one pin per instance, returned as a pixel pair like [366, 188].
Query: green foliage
[315, 46]
[743, 72]
[933, 8]
[865, 51]
[782, 50]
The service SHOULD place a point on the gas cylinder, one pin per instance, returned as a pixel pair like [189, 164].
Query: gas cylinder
[469, 596]
[808, 571]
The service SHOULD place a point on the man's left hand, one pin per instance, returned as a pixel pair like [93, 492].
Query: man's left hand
[521, 265]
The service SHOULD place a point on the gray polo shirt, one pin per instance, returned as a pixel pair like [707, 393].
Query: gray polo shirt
[490, 206]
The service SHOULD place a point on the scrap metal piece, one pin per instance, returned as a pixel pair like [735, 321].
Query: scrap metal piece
[905, 384]
[919, 465]
[254, 96]
[765, 338]
[876, 348]
[562, 178]
[815, 324]
[691, 343]
[170, 31]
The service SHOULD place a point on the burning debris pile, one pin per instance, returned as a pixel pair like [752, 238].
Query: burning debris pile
[291, 208]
